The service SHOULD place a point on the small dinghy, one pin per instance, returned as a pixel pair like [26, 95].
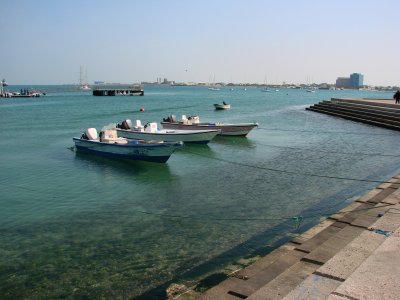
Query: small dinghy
[222, 106]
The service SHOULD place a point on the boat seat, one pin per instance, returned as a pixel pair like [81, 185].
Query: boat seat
[139, 125]
[195, 119]
[184, 120]
[111, 137]
[119, 140]
[151, 127]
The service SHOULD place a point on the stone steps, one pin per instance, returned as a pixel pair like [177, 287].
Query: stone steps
[308, 267]
[376, 114]
[373, 112]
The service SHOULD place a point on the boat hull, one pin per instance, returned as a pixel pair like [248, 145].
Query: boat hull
[134, 150]
[225, 129]
[186, 136]
[222, 106]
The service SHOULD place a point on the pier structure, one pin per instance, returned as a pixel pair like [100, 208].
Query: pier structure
[136, 90]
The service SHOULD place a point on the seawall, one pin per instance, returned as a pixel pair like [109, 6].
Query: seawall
[353, 254]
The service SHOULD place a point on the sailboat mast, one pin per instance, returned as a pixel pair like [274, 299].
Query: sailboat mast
[80, 75]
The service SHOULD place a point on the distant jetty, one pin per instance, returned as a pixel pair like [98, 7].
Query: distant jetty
[23, 94]
[136, 90]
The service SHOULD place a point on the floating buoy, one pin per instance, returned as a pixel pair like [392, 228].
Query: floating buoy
[141, 109]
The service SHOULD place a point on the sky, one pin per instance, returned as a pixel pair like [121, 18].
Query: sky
[252, 41]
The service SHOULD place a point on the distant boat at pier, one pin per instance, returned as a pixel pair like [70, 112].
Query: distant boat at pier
[83, 84]
[23, 93]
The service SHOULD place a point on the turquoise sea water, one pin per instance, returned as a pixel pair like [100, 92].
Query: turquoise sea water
[81, 227]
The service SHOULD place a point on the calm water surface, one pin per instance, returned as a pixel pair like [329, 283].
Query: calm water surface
[81, 227]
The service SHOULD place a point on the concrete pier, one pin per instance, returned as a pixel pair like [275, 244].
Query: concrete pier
[353, 254]
[117, 92]
[135, 90]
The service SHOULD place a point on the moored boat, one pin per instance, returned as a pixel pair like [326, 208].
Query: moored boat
[193, 123]
[110, 145]
[150, 131]
[222, 106]
[214, 89]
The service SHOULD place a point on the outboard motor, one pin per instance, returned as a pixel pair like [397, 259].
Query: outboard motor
[170, 119]
[90, 134]
[126, 124]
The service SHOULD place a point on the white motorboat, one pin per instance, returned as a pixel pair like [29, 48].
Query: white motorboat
[193, 123]
[150, 131]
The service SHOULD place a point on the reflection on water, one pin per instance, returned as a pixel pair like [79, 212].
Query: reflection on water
[205, 150]
[139, 170]
[236, 141]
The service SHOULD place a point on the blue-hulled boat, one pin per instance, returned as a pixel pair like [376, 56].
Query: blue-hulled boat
[109, 145]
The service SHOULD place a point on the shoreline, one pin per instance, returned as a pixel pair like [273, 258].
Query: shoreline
[326, 260]
[338, 258]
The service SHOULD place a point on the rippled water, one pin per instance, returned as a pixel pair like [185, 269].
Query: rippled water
[77, 226]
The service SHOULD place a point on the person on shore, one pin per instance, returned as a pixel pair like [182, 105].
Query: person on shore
[396, 97]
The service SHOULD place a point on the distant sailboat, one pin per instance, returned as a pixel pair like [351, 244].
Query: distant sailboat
[265, 88]
[83, 85]
[213, 86]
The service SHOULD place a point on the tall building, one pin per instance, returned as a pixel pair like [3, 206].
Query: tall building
[343, 82]
[355, 81]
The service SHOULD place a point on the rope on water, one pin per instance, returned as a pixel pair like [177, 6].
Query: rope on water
[326, 151]
[286, 171]
[329, 132]
[296, 219]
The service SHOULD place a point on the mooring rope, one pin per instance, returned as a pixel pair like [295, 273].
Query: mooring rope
[285, 171]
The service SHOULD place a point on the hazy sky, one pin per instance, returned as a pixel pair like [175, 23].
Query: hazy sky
[296, 41]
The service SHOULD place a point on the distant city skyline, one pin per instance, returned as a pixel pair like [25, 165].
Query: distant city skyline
[256, 41]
